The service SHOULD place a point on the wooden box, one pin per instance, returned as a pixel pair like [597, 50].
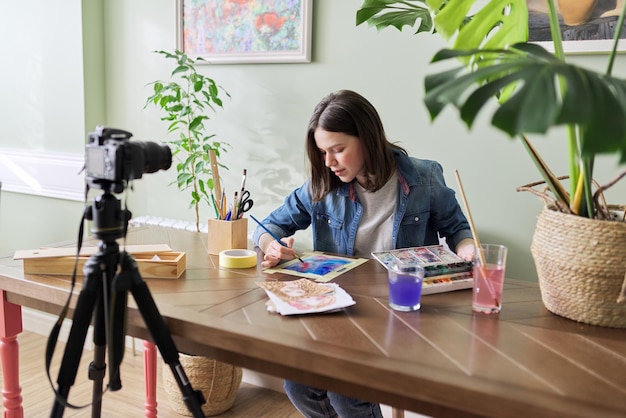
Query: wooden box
[153, 261]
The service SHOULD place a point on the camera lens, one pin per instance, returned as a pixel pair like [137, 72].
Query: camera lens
[156, 156]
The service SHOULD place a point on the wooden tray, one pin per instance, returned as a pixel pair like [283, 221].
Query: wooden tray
[154, 261]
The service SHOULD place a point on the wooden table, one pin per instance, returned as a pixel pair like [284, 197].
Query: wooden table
[443, 361]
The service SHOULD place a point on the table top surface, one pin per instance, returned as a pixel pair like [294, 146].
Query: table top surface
[443, 360]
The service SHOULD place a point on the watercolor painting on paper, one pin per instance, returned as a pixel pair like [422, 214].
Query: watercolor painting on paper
[317, 266]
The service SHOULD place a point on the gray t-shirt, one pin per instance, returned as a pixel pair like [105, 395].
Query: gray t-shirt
[376, 226]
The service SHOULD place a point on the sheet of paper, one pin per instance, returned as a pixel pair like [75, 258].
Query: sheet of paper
[317, 266]
[304, 296]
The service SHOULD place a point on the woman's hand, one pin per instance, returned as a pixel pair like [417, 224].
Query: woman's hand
[274, 252]
[466, 249]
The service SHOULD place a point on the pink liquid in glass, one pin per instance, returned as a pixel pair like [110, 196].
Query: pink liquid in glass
[487, 295]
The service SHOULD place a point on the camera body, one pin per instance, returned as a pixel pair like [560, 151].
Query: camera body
[111, 160]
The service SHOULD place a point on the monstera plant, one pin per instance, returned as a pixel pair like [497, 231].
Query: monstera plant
[536, 89]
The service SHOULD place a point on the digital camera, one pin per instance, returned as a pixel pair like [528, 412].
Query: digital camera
[111, 159]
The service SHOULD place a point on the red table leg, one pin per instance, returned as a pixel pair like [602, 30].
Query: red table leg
[149, 372]
[10, 326]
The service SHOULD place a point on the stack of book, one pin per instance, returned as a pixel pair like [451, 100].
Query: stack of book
[444, 271]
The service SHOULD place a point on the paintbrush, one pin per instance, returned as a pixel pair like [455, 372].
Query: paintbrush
[481, 256]
[273, 236]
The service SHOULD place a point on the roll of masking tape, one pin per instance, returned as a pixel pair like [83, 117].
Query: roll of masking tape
[237, 259]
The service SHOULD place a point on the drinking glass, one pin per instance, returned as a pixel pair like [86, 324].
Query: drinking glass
[488, 278]
[405, 285]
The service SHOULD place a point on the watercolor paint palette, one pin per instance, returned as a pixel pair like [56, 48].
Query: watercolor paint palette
[444, 271]
[437, 260]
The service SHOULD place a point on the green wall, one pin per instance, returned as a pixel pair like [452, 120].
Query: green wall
[43, 111]
[265, 121]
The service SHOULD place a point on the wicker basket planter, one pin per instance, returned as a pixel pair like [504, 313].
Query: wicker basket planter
[581, 264]
[218, 382]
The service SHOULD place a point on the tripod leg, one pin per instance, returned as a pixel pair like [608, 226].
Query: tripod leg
[76, 340]
[116, 335]
[97, 368]
[161, 336]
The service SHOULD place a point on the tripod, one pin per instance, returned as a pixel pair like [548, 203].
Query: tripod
[104, 297]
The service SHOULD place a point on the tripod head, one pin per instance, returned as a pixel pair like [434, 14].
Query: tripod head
[110, 221]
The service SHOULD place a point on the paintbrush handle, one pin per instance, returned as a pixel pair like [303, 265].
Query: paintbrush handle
[481, 256]
[266, 229]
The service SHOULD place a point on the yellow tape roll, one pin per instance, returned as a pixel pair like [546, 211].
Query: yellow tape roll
[237, 259]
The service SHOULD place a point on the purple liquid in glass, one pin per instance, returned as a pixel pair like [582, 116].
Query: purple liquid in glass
[405, 290]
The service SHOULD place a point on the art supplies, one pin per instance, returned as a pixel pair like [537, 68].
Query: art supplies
[244, 204]
[225, 211]
[215, 174]
[444, 271]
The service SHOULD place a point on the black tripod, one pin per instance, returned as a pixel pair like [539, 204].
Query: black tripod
[104, 296]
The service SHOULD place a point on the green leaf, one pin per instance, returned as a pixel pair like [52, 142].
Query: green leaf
[478, 99]
[443, 84]
[370, 8]
[451, 17]
[498, 24]
[197, 122]
[183, 177]
[604, 133]
[591, 99]
[384, 13]
[533, 108]
[180, 69]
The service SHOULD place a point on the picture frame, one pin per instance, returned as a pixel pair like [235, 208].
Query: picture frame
[586, 46]
[591, 33]
[244, 31]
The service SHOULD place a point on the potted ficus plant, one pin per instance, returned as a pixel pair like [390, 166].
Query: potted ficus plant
[187, 99]
[537, 90]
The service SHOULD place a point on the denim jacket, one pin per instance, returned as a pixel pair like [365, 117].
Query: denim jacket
[426, 208]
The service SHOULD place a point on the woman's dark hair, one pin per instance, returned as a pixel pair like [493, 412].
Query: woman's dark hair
[350, 113]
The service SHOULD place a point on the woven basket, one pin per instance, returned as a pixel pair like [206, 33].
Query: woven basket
[581, 264]
[218, 382]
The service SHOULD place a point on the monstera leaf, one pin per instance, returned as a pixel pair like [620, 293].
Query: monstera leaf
[591, 99]
[384, 13]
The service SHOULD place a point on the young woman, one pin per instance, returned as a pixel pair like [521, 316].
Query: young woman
[364, 194]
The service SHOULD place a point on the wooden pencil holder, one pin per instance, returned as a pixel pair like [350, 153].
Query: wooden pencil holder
[226, 235]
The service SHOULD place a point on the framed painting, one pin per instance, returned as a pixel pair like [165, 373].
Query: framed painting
[587, 26]
[245, 31]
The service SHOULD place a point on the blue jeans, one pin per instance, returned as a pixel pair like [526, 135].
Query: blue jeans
[317, 403]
